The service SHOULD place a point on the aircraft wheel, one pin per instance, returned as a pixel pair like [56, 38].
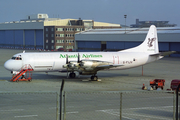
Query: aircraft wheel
[30, 80]
[94, 78]
[72, 75]
[17, 80]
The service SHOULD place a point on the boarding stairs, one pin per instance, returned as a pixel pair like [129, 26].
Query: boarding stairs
[25, 74]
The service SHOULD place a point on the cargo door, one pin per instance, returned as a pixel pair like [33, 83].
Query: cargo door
[115, 59]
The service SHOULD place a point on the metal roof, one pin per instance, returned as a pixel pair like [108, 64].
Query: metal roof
[131, 30]
[165, 34]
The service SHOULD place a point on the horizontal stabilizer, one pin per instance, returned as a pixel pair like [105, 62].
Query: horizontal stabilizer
[167, 53]
[156, 54]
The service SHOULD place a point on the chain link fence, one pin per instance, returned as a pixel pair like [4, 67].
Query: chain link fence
[28, 106]
[88, 105]
[120, 106]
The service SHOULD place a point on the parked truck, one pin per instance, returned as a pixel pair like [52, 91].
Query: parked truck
[174, 84]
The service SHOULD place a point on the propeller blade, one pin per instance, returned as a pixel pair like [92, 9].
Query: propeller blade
[78, 58]
[67, 63]
[66, 58]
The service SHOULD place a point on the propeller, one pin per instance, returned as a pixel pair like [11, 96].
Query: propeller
[78, 58]
[79, 62]
[66, 58]
[67, 64]
[78, 65]
[70, 65]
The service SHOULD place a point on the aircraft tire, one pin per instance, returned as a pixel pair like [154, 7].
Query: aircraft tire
[72, 75]
[94, 78]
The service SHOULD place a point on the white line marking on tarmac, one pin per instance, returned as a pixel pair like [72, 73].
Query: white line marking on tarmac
[113, 112]
[26, 116]
[12, 110]
[72, 112]
[145, 116]
[151, 107]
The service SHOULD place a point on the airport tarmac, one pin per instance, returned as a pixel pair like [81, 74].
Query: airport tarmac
[122, 80]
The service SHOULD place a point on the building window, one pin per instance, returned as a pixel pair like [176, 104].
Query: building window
[46, 46]
[79, 29]
[59, 41]
[52, 47]
[46, 35]
[58, 47]
[52, 41]
[59, 29]
[69, 35]
[52, 35]
[59, 35]
[52, 29]
[69, 41]
[69, 47]
[46, 29]
[69, 29]
[46, 41]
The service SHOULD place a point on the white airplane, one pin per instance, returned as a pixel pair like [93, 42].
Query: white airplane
[88, 63]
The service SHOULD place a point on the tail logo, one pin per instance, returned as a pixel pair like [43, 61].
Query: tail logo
[150, 41]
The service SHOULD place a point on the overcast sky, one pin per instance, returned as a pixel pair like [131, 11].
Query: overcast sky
[111, 11]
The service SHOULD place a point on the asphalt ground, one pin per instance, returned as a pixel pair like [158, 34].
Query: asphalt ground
[130, 80]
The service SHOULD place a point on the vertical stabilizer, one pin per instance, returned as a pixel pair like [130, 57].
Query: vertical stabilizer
[150, 44]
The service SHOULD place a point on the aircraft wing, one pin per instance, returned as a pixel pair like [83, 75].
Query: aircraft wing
[108, 66]
[98, 65]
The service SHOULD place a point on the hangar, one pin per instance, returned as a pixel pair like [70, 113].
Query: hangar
[123, 38]
[38, 31]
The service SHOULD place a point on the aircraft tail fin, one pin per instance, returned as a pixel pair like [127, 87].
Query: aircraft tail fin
[150, 44]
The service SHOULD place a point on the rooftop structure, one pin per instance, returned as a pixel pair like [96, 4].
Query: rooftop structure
[141, 24]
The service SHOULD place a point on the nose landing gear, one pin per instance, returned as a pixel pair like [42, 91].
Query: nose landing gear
[72, 75]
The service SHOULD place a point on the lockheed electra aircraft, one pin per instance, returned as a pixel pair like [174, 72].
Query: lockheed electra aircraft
[88, 63]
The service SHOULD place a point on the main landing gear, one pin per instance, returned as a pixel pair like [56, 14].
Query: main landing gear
[72, 75]
[94, 78]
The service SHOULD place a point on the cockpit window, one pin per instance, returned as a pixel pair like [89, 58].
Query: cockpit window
[17, 58]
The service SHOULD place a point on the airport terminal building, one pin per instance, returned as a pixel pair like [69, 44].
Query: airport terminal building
[41, 32]
[123, 38]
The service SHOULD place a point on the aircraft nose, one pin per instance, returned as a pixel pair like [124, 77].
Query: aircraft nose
[8, 65]
[13, 65]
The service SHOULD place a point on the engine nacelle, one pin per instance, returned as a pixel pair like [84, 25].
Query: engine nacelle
[71, 65]
[88, 69]
[65, 66]
[86, 64]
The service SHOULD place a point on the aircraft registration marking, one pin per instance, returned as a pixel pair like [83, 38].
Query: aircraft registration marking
[127, 62]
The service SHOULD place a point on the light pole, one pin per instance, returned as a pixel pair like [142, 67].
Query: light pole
[125, 22]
